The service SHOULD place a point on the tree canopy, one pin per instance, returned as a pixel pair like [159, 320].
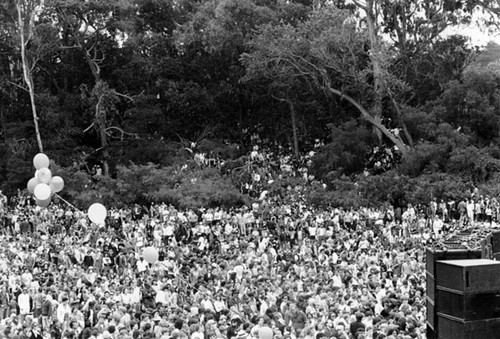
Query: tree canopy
[141, 87]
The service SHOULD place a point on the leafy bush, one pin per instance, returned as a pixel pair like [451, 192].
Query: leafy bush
[473, 164]
[201, 192]
[346, 154]
[344, 194]
[144, 184]
[424, 158]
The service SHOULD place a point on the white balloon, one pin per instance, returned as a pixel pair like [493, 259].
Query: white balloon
[56, 184]
[44, 175]
[150, 254]
[42, 191]
[32, 184]
[41, 160]
[43, 203]
[97, 213]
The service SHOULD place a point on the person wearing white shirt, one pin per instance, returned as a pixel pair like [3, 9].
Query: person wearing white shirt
[142, 265]
[135, 296]
[207, 304]
[24, 302]
[437, 226]
[217, 215]
[208, 217]
[63, 311]
[336, 280]
[161, 297]
[91, 275]
[125, 296]
[219, 304]
[168, 230]
[26, 279]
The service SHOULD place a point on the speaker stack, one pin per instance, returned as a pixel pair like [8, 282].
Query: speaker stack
[467, 299]
[432, 256]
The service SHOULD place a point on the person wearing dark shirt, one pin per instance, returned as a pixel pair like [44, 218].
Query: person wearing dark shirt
[297, 318]
[4, 302]
[357, 326]
[88, 260]
[233, 329]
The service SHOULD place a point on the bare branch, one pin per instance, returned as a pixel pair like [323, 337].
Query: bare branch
[128, 97]
[121, 131]
[17, 85]
[88, 128]
[70, 47]
[359, 4]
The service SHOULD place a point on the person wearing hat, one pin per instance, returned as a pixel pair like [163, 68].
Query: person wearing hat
[242, 334]
[156, 319]
[122, 330]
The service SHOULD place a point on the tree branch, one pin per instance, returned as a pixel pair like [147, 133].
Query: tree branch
[88, 128]
[122, 132]
[375, 122]
[21, 87]
[359, 4]
[401, 122]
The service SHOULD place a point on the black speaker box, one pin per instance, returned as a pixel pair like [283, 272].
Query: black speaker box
[480, 329]
[468, 276]
[434, 255]
[475, 306]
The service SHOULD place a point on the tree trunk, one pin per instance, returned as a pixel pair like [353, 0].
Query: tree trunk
[100, 120]
[2, 122]
[374, 121]
[94, 67]
[375, 60]
[407, 134]
[105, 151]
[378, 73]
[27, 68]
[293, 118]
[31, 88]
[100, 113]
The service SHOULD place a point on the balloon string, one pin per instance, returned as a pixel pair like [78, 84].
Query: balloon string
[67, 202]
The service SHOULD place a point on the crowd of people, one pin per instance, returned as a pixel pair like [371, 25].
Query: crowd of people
[280, 270]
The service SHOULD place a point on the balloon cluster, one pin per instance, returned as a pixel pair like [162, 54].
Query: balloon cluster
[43, 185]
[97, 213]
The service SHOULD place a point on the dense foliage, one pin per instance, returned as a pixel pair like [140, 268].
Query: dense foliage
[141, 101]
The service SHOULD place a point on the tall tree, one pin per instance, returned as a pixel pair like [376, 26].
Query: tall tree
[328, 54]
[414, 26]
[27, 11]
[88, 27]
